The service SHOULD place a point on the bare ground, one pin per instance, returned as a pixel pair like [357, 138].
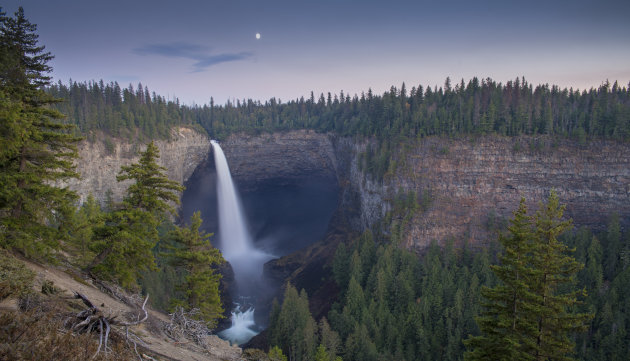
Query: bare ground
[154, 340]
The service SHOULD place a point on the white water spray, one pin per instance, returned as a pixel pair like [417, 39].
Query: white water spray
[237, 248]
[240, 332]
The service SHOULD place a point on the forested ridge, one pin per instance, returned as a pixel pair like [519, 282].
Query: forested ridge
[476, 107]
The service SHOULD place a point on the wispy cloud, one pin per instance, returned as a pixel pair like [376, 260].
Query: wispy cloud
[202, 55]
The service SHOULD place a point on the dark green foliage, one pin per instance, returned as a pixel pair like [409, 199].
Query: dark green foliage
[292, 327]
[407, 308]
[554, 271]
[151, 191]
[394, 305]
[193, 253]
[530, 314]
[479, 107]
[37, 150]
[123, 244]
[81, 230]
[120, 112]
[609, 298]
[504, 322]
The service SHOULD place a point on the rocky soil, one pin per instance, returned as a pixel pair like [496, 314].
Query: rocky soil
[154, 340]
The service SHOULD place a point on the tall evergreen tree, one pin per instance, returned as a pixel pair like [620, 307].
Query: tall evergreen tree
[292, 326]
[124, 243]
[528, 315]
[37, 148]
[194, 253]
[504, 321]
[554, 269]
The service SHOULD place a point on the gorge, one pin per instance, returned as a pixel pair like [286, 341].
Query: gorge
[293, 184]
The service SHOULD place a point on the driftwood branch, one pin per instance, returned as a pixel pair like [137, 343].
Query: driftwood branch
[93, 320]
[146, 315]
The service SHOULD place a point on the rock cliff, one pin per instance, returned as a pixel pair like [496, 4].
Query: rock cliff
[476, 183]
[472, 184]
[280, 157]
[100, 161]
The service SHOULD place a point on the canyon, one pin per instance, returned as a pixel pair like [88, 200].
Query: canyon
[472, 183]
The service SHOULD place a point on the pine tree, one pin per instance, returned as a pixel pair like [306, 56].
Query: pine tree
[194, 253]
[152, 190]
[38, 149]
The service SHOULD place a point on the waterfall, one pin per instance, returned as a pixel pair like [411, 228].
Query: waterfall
[238, 249]
[235, 239]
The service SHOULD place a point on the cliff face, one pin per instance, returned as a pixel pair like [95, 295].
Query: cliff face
[473, 183]
[280, 157]
[100, 162]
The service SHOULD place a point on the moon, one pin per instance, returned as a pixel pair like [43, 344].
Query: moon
[257, 35]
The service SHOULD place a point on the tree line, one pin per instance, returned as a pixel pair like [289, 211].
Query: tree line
[119, 112]
[476, 107]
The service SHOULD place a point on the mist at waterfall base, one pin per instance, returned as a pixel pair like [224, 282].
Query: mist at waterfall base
[282, 216]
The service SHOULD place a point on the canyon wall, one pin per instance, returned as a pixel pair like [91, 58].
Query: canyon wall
[472, 184]
[475, 184]
[100, 161]
[280, 157]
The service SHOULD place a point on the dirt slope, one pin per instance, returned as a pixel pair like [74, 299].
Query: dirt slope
[150, 333]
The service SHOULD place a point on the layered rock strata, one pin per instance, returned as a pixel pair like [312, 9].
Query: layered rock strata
[475, 184]
[100, 161]
[471, 184]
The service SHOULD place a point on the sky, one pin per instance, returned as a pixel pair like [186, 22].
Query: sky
[198, 49]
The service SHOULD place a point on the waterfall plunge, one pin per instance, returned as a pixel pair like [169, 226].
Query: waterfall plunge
[237, 248]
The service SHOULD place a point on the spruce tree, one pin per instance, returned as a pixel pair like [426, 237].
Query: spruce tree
[528, 315]
[292, 326]
[554, 270]
[152, 191]
[504, 322]
[38, 149]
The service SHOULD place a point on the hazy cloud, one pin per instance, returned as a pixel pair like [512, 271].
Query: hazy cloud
[202, 55]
